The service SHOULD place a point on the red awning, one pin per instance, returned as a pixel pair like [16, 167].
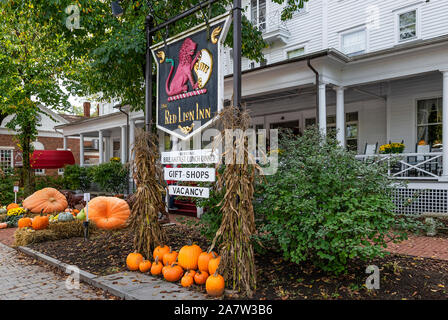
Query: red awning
[51, 159]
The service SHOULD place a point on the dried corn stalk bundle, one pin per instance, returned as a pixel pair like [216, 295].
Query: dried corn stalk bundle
[148, 202]
[238, 223]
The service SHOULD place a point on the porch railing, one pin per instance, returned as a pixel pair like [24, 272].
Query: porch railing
[409, 166]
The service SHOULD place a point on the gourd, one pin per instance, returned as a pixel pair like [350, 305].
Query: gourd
[160, 251]
[109, 213]
[173, 273]
[186, 281]
[81, 215]
[133, 261]
[24, 223]
[47, 200]
[188, 256]
[203, 260]
[200, 277]
[213, 264]
[215, 285]
[40, 222]
[156, 267]
[144, 266]
[170, 257]
[65, 216]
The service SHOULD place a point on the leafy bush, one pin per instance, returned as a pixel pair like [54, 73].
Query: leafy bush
[325, 206]
[49, 182]
[77, 178]
[212, 217]
[7, 179]
[111, 177]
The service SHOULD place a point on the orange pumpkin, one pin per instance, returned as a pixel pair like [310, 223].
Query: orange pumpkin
[203, 260]
[75, 211]
[133, 261]
[188, 256]
[215, 285]
[12, 206]
[40, 222]
[24, 223]
[186, 281]
[109, 212]
[3, 225]
[170, 257]
[190, 273]
[47, 200]
[160, 251]
[144, 266]
[213, 264]
[173, 273]
[156, 267]
[200, 277]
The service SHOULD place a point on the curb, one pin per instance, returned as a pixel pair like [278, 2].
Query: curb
[84, 276]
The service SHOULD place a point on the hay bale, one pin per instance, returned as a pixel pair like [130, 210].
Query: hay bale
[55, 231]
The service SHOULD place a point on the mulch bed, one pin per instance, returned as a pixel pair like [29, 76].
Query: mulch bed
[402, 277]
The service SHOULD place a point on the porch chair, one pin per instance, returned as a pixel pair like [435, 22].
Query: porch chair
[414, 160]
[370, 149]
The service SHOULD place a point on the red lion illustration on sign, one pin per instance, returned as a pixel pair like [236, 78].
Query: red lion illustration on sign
[183, 72]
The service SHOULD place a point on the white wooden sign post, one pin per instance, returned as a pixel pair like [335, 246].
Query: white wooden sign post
[16, 190]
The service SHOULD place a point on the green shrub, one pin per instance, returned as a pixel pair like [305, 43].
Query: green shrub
[325, 206]
[49, 182]
[77, 178]
[212, 217]
[7, 179]
[111, 177]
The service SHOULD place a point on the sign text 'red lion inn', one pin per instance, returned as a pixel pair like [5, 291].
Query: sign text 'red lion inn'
[190, 82]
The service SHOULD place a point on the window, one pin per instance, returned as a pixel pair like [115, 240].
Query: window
[295, 53]
[351, 129]
[6, 159]
[429, 121]
[258, 14]
[39, 172]
[407, 25]
[354, 42]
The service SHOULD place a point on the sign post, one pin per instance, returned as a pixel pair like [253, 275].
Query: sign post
[16, 190]
[86, 223]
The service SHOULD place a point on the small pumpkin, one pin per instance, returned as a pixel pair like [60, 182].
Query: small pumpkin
[213, 264]
[188, 256]
[65, 217]
[40, 222]
[170, 257]
[133, 261]
[144, 266]
[215, 285]
[109, 213]
[3, 225]
[204, 259]
[160, 251]
[190, 273]
[200, 277]
[156, 267]
[173, 273]
[12, 206]
[24, 223]
[186, 281]
[47, 200]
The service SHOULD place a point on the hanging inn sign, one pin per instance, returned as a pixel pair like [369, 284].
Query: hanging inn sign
[190, 78]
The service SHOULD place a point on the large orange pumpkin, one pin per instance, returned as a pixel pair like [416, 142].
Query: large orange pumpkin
[160, 251]
[215, 285]
[188, 256]
[109, 212]
[133, 261]
[40, 223]
[47, 200]
[173, 273]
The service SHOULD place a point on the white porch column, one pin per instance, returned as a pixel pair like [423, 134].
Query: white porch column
[131, 138]
[108, 149]
[101, 145]
[340, 116]
[322, 109]
[445, 125]
[81, 149]
[123, 144]
[64, 143]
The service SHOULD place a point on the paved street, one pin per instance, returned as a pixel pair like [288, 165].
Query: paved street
[23, 279]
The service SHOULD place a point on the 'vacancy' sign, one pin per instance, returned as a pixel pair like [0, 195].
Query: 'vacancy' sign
[196, 192]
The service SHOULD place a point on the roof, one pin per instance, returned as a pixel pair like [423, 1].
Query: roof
[72, 118]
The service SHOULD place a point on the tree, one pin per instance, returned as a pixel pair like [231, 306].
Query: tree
[32, 62]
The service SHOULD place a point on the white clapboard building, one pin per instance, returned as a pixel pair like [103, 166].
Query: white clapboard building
[375, 70]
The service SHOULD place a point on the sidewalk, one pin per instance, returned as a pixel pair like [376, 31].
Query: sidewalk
[22, 280]
[421, 246]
